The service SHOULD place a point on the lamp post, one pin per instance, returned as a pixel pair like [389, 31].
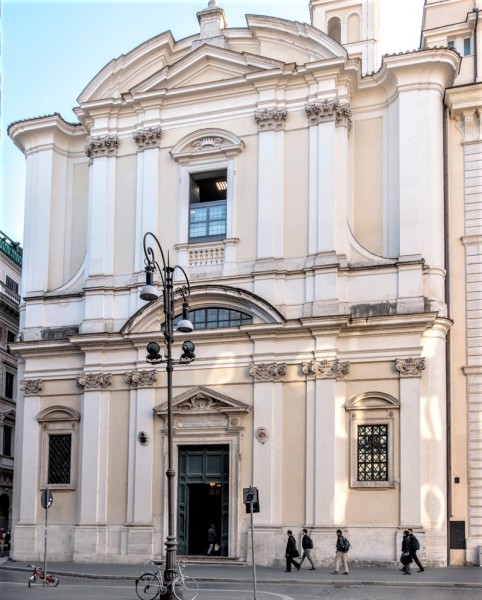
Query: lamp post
[154, 356]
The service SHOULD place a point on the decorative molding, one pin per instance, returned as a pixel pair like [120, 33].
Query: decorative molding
[468, 122]
[410, 367]
[94, 381]
[101, 146]
[329, 110]
[262, 435]
[136, 378]
[267, 372]
[271, 120]
[206, 143]
[203, 401]
[31, 387]
[147, 138]
[325, 369]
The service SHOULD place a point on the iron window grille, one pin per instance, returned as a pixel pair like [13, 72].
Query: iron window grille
[60, 455]
[217, 317]
[372, 453]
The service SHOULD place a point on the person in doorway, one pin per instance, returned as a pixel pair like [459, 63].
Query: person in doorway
[307, 545]
[342, 547]
[3, 539]
[211, 539]
[414, 546]
[405, 558]
[291, 553]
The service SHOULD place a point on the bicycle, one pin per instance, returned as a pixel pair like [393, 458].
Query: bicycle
[38, 578]
[150, 585]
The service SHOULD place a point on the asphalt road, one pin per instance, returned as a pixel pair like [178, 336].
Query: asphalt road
[13, 586]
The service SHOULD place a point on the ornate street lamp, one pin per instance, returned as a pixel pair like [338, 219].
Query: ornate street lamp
[154, 356]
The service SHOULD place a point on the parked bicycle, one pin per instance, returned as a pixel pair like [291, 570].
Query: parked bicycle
[38, 578]
[150, 585]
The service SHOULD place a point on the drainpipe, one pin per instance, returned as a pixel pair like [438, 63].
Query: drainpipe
[476, 10]
[448, 362]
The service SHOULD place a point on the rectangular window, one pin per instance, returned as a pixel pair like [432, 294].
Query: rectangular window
[9, 385]
[372, 453]
[451, 44]
[60, 455]
[11, 284]
[7, 440]
[207, 206]
[466, 46]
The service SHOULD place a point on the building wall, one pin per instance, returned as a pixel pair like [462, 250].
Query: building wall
[335, 245]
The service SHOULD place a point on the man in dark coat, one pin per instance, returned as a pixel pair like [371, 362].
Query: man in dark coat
[405, 557]
[414, 546]
[307, 545]
[291, 553]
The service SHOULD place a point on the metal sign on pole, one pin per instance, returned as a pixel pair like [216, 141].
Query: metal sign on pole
[251, 499]
[46, 500]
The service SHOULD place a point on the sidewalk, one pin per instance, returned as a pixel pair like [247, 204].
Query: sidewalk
[442, 577]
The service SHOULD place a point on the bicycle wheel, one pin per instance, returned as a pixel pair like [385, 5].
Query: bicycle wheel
[147, 586]
[32, 581]
[53, 580]
[185, 588]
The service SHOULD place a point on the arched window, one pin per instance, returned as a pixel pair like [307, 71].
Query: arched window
[334, 29]
[216, 317]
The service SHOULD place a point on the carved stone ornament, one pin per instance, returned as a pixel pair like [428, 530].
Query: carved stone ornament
[208, 143]
[469, 123]
[102, 146]
[94, 381]
[410, 367]
[267, 372]
[139, 378]
[326, 369]
[199, 403]
[31, 386]
[269, 120]
[329, 110]
[262, 435]
[147, 138]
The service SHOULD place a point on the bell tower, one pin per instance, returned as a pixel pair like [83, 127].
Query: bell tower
[352, 23]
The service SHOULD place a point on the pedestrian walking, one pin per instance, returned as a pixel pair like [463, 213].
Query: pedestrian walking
[307, 545]
[211, 539]
[414, 546]
[405, 557]
[291, 553]
[3, 540]
[342, 547]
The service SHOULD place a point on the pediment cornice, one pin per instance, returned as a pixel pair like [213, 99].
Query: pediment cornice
[201, 400]
[205, 65]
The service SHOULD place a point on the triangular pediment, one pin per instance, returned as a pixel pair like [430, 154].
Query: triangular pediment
[201, 400]
[206, 64]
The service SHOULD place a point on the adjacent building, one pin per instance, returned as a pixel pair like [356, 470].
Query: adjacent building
[315, 200]
[10, 276]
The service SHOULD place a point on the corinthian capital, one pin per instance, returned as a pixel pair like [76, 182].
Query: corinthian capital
[269, 120]
[94, 381]
[136, 378]
[325, 369]
[101, 146]
[147, 138]
[329, 110]
[31, 387]
[267, 372]
[410, 367]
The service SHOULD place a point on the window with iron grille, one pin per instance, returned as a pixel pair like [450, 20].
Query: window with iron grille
[11, 284]
[372, 453]
[60, 455]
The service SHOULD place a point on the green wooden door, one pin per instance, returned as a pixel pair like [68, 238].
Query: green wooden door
[203, 498]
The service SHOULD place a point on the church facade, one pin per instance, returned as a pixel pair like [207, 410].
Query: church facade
[304, 194]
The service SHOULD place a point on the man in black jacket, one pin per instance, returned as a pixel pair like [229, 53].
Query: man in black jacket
[307, 545]
[291, 553]
[414, 546]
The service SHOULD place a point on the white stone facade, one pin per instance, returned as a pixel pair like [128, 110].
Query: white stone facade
[332, 246]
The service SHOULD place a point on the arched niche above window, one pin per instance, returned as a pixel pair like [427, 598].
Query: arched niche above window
[207, 143]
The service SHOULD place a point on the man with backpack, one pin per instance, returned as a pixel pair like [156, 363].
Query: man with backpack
[307, 545]
[342, 547]
[414, 546]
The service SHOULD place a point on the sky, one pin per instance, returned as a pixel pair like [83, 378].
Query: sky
[51, 49]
